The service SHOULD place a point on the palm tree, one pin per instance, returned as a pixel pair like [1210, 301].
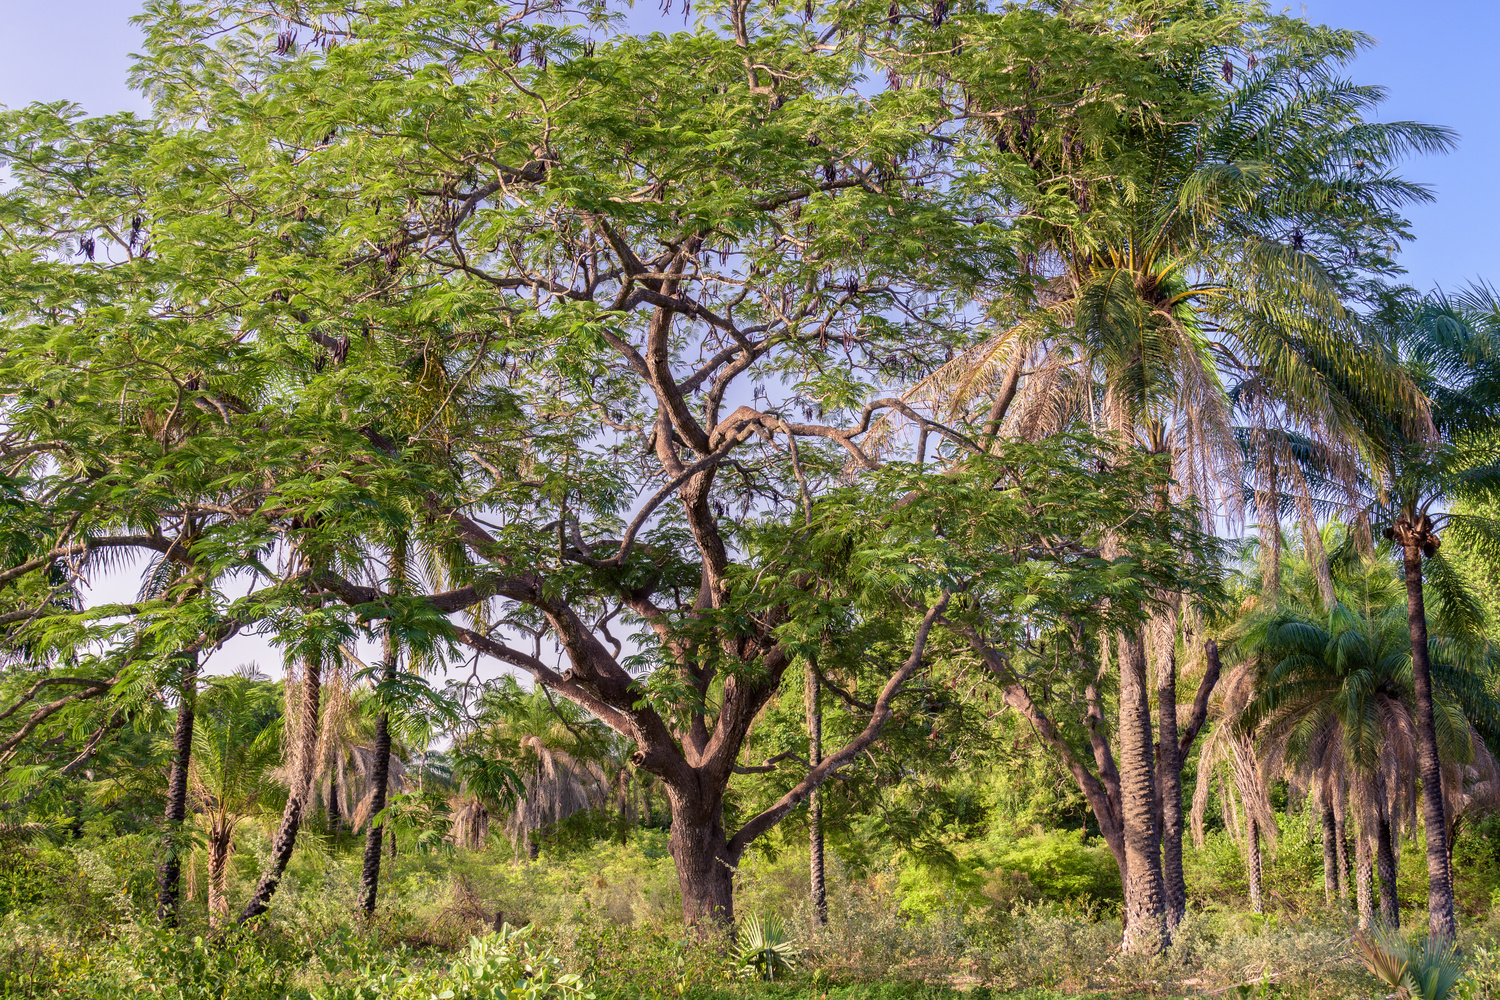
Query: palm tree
[1451, 349]
[1338, 696]
[236, 746]
[1203, 275]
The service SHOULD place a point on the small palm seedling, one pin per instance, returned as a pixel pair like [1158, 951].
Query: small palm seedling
[764, 947]
[1420, 970]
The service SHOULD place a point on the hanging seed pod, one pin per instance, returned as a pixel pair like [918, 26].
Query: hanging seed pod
[893, 14]
[829, 174]
[1228, 70]
[135, 231]
[939, 13]
[1298, 240]
[86, 247]
[286, 43]
[807, 11]
[515, 54]
[539, 56]
[588, 48]
[814, 141]
[1251, 62]
[892, 79]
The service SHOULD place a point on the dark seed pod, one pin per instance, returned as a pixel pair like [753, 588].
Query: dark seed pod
[939, 13]
[1228, 70]
[807, 11]
[829, 174]
[893, 79]
[86, 247]
[893, 14]
[1251, 62]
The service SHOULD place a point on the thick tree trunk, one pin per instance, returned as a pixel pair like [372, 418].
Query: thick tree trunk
[1364, 878]
[818, 887]
[304, 753]
[1341, 847]
[1145, 895]
[369, 878]
[705, 869]
[1385, 860]
[1330, 854]
[169, 872]
[220, 844]
[1441, 923]
[1253, 865]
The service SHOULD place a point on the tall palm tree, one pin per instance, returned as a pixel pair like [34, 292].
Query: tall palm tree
[1203, 275]
[236, 747]
[1451, 349]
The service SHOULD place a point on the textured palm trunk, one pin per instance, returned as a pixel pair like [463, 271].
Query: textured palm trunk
[1441, 923]
[335, 807]
[304, 761]
[1169, 765]
[369, 877]
[220, 843]
[1254, 866]
[1330, 854]
[705, 869]
[1363, 880]
[1385, 861]
[169, 872]
[818, 888]
[1145, 895]
[1341, 847]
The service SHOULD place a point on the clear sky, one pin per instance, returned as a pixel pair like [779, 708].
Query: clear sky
[1435, 58]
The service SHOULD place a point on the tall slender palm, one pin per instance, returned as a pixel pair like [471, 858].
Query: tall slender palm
[1204, 275]
[236, 746]
[1451, 349]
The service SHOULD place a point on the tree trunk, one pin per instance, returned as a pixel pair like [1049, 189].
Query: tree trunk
[1330, 854]
[369, 878]
[169, 873]
[1385, 860]
[705, 870]
[1169, 764]
[818, 887]
[1363, 879]
[220, 844]
[1317, 554]
[1341, 847]
[1253, 866]
[1440, 918]
[304, 761]
[1145, 896]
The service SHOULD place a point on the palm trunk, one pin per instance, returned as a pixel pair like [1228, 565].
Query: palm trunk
[335, 807]
[1385, 860]
[1268, 513]
[1253, 865]
[1145, 895]
[818, 887]
[1169, 766]
[1330, 854]
[220, 843]
[1363, 879]
[1341, 848]
[169, 873]
[1440, 917]
[304, 757]
[369, 879]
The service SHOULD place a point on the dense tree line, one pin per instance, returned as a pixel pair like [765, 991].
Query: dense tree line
[862, 358]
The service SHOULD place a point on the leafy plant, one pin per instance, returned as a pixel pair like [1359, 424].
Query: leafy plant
[1417, 970]
[764, 947]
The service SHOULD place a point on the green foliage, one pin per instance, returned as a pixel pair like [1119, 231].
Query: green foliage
[763, 948]
[1422, 970]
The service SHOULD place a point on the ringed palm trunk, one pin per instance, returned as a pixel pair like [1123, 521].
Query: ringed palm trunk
[819, 890]
[369, 878]
[1341, 847]
[220, 846]
[1254, 866]
[1363, 880]
[1385, 861]
[1169, 766]
[1145, 896]
[169, 873]
[1440, 916]
[304, 752]
[1330, 854]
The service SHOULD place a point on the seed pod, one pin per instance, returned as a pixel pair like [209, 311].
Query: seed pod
[1228, 70]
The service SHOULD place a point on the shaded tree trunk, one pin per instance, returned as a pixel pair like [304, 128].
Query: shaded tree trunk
[1385, 861]
[705, 867]
[1253, 865]
[1441, 922]
[335, 807]
[169, 872]
[1145, 895]
[1169, 763]
[819, 890]
[1330, 854]
[1364, 878]
[220, 845]
[304, 762]
[1341, 847]
[369, 877]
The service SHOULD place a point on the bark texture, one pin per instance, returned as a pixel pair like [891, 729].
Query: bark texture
[304, 757]
[818, 887]
[1385, 861]
[1441, 922]
[369, 877]
[220, 846]
[1363, 881]
[1145, 895]
[705, 864]
[1169, 764]
[169, 872]
[1253, 866]
[1330, 854]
